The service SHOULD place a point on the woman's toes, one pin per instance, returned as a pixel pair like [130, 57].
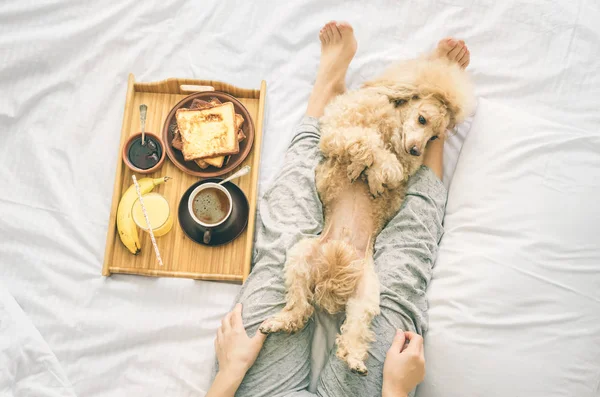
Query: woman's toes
[322, 36]
[446, 45]
[461, 54]
[344, 27]
[329, 33]
[465, 60]
[455, 51]
[337, 35]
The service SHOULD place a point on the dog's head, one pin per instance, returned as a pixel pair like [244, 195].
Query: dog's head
[429, 97]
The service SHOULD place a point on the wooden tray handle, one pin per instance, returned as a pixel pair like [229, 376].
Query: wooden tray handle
[196, 88]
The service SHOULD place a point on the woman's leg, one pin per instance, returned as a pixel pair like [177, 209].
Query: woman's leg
[404, 255]
[290, 211]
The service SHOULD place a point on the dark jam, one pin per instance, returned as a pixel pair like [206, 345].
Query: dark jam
[144, 156]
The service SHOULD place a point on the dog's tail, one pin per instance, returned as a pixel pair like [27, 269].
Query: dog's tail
[338, 268]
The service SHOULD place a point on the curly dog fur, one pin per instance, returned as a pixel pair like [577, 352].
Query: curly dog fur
[372, 142]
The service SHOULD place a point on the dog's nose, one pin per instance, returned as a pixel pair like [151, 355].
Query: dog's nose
[414, 151]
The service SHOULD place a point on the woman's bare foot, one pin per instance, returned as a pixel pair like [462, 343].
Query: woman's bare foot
[454, 50]
[338, 47]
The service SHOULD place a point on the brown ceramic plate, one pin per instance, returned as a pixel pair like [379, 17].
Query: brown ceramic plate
[228, 230]
[191, 167]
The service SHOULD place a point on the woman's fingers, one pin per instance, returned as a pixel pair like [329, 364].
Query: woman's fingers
[226, 322]
[259, 337]
[219, 339]
[415, 343]
[398, 342]
[236, 317]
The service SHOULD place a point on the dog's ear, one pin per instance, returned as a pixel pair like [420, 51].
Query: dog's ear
[392, 89]
[451, 86]
[454, 112]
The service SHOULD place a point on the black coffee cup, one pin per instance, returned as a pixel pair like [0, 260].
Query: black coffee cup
[209, 205]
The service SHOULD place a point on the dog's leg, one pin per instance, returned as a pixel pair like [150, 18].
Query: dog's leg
[386, 171]
[355, 145]
[299, 283]
[356, 334]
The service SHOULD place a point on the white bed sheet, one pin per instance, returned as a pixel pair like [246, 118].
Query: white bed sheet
[63, 72]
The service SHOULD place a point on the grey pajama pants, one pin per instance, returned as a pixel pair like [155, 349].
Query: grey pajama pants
[404, 254]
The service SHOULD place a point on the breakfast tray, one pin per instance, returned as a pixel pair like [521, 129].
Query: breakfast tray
[182, 257]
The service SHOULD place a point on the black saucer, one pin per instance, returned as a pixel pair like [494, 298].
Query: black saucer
[228, 230]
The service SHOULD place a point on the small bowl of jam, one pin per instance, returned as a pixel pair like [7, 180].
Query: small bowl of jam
[144, 158]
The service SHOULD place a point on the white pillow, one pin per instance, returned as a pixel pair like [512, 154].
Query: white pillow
[515, 295]
[452, 148]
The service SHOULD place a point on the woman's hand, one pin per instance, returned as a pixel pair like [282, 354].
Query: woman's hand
[404, 366]
[236, 352]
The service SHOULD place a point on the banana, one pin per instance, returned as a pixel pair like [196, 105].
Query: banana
[125, 224]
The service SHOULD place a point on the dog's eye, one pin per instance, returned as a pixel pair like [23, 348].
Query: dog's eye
[433, 138]
[422, 120]
[399, 102]
[415, 97]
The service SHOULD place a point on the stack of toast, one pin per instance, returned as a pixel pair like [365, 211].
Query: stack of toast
[208, 133]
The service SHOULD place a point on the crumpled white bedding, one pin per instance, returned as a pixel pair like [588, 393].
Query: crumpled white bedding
[26, 358]
[63, 72]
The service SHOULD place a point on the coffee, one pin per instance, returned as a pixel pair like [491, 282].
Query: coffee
[211, 205]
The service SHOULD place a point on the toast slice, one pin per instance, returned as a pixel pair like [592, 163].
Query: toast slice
[239, 120]
[209, 132]
[199, 104]
[202, 164]
[177, 143]
[218, 161]
[214, 161]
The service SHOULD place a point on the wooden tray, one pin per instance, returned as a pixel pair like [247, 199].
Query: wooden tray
[181, 256]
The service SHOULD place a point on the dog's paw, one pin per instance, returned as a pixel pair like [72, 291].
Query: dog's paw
[269, 327]
[375, 184]
[361, 152]
[283, 322]
[354, 170]
[273, 325]
[357, 366]
[394, 174]
[389, 175]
